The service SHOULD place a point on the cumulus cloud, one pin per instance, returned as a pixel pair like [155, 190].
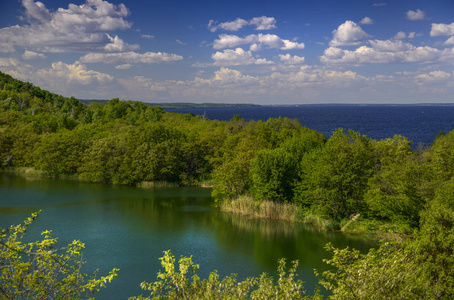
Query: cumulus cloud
[389, 45]
[387, 51]
[291, 60]
[260, 23]
[301, 84]
[417, 15]
[62, 78]
[449, 41]
[434, 76]
[347, 34]
[74, 73]
[32, 55]
[77, 28]
[130, 57]
[257, 41]
[237, 57]
[366, 21]
[442, 29]
[263, 23]
[118, 45]
[402, 35]
[230, 26]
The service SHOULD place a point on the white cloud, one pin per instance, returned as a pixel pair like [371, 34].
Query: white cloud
[417, 15]
[435, 76]
[389, 45]
[302, 85]
[442, 29]
[236, 57]
[148, 36]
[400, 35]
[118, 45]
[260, 23]
[230, 26]
[32, 55]
[366, 21]
[123, 67]
[449, 41]
[61, 78]
[348, 33]
[291, 60]
[77, 28]
[256, 41]
[388, 51]
[130, 57]
[74, 73]
[263, 23]
[180, 42]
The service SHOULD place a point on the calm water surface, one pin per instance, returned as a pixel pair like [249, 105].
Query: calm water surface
[129, 228]
[418, 123]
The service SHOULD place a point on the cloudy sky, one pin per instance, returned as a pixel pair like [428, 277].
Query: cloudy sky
[263, 52]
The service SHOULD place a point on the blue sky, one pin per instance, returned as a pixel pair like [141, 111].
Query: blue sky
[263, 52]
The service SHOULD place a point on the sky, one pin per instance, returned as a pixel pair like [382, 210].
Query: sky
[261, 52]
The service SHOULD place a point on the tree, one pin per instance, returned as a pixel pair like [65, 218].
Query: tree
[335, 177]
[273, 175]
[402, 183]
[39, 270]
[420, 266]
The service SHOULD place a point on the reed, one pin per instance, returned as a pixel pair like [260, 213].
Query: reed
[245, 205]
[156, 184]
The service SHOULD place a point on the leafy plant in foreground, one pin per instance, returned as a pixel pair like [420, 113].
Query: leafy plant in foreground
[184, 283]
[38, 270]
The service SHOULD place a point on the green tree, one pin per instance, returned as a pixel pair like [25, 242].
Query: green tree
[420, 266]
[334, 178]
[402, 183]
[274, 173]
[39, 270]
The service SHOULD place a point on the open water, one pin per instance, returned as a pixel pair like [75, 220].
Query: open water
[418, 123]
[129, 228]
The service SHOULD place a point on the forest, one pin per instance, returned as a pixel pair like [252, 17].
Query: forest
[345, 182]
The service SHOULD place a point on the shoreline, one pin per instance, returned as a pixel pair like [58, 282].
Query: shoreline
[243, 206]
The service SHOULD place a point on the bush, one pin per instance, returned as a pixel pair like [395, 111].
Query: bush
[39, 270]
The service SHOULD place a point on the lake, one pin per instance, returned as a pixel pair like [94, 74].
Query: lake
[418, 123]
[129, 228]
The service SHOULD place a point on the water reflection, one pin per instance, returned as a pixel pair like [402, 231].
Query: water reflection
[128, 228]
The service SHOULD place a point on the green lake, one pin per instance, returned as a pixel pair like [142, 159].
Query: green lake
[129, 228]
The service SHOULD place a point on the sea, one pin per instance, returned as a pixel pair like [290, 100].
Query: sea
[418, 123]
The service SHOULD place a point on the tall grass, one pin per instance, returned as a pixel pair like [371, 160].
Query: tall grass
[245, 205]
[156, 184]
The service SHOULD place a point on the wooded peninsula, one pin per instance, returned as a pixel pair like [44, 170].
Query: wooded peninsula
[274, 169]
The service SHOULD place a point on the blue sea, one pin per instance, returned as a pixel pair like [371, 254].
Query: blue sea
[419, 123]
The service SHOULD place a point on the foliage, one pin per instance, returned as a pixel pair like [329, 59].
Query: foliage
[335, 177]
[38, 270]
[184, 283]
[420, 267]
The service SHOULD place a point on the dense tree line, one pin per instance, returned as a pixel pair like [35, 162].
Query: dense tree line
[384, 183]
[125, 142]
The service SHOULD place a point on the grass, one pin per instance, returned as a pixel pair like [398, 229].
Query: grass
[245, 205]
[156, 184]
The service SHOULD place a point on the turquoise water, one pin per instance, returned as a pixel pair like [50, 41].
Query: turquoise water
[129, 228]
